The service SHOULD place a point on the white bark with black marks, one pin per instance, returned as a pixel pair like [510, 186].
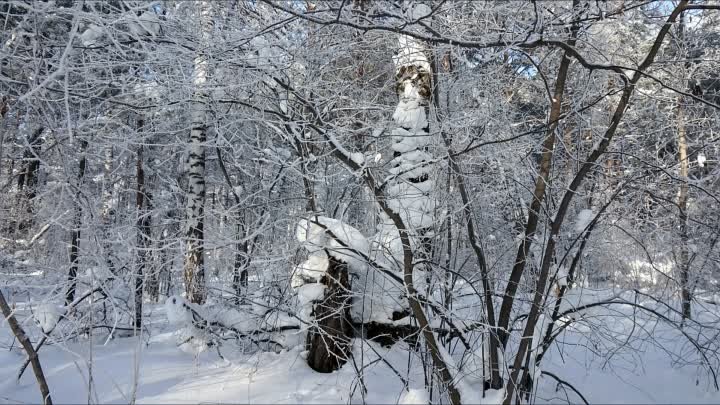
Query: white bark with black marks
[194, 268]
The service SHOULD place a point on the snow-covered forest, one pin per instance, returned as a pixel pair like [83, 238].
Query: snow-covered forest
[359, 201]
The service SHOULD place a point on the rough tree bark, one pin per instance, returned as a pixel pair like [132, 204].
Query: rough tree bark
[75, 234]
[328, 340]
[194, 267]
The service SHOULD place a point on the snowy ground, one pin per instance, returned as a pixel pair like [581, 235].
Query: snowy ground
[154, 370]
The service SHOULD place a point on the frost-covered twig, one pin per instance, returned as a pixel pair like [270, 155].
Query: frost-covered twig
[567, 384]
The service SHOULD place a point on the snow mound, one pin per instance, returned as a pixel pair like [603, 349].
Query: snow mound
[241, 321]
[346, 244]
[47, 315]
[91, 35]
[176, 309]
[311, 292]
[311, 270]
[415, 396]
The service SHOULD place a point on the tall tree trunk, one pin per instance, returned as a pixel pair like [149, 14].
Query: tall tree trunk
[164, 265]
[3, 111]
[75, 235]
[194, 268]
[107, 213]
[683, 259]
[242, 260]
[152, 283]
[613, 164]
[543, 178]
[142, 203]
[409, 206]
[28, 179]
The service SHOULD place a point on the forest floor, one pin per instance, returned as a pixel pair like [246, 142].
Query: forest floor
[154, 370]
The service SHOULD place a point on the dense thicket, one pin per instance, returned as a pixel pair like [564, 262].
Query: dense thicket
[472, 177]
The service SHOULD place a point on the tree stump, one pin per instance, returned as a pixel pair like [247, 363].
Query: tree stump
[328, 340]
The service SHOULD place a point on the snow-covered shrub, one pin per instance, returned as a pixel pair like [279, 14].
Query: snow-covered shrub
[200, 327]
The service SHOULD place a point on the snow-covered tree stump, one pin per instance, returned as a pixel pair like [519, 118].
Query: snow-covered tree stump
[322, 283]
[328, 340]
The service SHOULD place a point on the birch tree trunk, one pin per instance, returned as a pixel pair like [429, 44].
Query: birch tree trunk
[194, 267]
[409, 192]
